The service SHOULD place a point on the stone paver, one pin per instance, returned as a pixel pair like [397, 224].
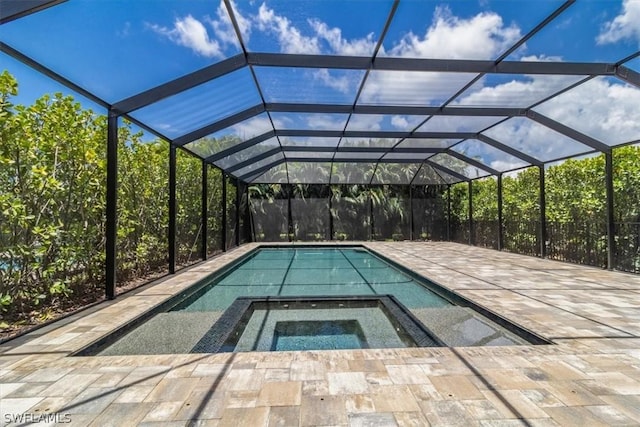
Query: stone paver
[590, 376]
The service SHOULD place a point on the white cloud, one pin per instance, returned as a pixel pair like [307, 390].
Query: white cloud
[458, 124]
[223, 27]
[292, 40]
[516, 93]
[341, 84]
[400, 122]
[125, 31]
[325, 121]
[541, 58]
[252, 127]
[607, 111]
[625, 26]
[535, 139]
[194, 34]
[406, 123]
[340, 46]
[289, 37]
[412, 88]
[483, 36]
[505, 165]
[191, 33]
[365, 122]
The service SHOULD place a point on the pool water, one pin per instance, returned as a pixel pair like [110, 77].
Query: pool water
[300, 272]
[314, 272]
[318, 334]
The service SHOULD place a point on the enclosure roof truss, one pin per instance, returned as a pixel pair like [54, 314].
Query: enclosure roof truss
[393, 111]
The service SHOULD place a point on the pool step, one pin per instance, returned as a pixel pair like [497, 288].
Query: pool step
[460, 327]
[174, 332]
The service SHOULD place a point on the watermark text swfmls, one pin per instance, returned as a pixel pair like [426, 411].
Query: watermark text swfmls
[50, 417]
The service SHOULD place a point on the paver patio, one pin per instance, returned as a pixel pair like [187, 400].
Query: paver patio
[591, 376]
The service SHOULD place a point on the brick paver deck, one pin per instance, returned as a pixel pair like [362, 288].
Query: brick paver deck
[591, 376]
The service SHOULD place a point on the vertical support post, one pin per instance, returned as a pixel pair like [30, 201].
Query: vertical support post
[205, 212]
[371, 225]
[224, 212]
[448, 212]
[238, 196]
[111, 229]
[411, 231]
[289, 214]
[247, 222]
[500, 218]
[172, 209]
[611, 227]
[472, 237]
[330, 213]
[543, 215]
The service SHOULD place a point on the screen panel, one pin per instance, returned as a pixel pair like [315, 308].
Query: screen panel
[411, 87]
[269, 208]
[513, 90]
[230, 136]
[600, 31]
[202, 105]
[118, 48]
[459, 123]
[384, 122]
[461, 30]
[391, 212]
[489, 155]
[351, 210]
[309, 121]
[457, 165]
[535, 139]
[603, 108]
[312, 26]
[351, 173]
[308, 85]
[275, 175]
[310, 212]
[395, 173]
[309, 172]
[368, 142]
[248, 153]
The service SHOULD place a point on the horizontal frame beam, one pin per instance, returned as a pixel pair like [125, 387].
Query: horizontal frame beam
[239, 147]
[473, 162]
[5, 48]
[257, 172]
[446, 170]
[431, 65]
[394, 110]
[509, 150]
[344, 149]
[356, 160]
[14, 9]
[253, 160]
[374, 134]
[567, 131]
[219, 125]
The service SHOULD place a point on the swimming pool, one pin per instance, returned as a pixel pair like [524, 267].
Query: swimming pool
[309, 274]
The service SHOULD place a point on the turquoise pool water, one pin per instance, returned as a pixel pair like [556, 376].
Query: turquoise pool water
[198, 320]
[313, 272]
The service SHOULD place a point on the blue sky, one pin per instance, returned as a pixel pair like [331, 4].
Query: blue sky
[117, 48]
